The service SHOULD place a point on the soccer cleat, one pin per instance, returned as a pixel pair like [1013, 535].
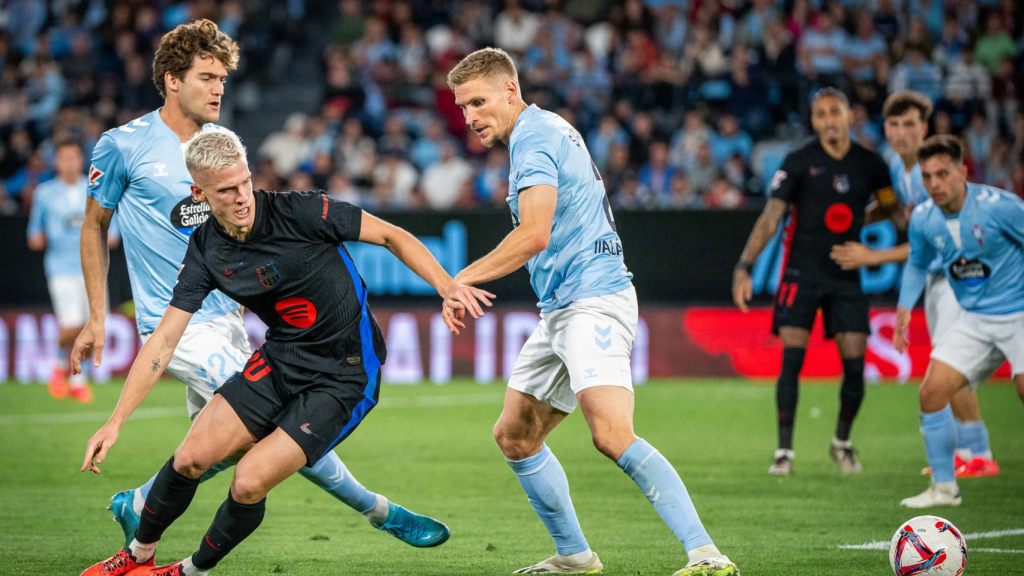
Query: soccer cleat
[958, 463]
[58, 384]
[717, 566]
[117, 565]
[413, 529]
[82, 394]
[559, 565]
[168, 570]
[783, 463]
[845, 457]
[979, 467]
[123, 506]
[933, 496]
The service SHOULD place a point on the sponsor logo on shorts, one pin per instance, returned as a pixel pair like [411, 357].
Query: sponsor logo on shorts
[188, 214]
[298, 312]
[268, 274]
[838, 218]
[970, 272]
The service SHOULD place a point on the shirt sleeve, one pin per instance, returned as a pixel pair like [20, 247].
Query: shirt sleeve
[194, 281]
[882, 182]
[915, 273]
[108, 175]
[1011, 218]
[35, 217]
[329, 220]
[536, 159]
[786, 179]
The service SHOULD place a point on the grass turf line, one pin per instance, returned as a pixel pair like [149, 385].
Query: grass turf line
[430, 448]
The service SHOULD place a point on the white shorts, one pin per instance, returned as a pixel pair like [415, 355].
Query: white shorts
[585, 344]
[70, 300]
[973, 338]
[206, 356]
[942, 311]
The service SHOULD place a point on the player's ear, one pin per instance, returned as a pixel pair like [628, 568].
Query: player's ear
[510, 90]
[170, 82]
[197, 194]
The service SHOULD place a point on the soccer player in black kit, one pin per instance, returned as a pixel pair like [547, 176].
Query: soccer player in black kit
[305, 390]
[826, 187]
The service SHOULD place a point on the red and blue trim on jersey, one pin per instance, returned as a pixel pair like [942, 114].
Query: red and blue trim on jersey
[371, 363]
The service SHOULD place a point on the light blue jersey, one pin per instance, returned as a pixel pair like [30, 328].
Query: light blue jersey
[139, 170]
[584, 256]
[910, 188]
[982, 251]
[58, 209]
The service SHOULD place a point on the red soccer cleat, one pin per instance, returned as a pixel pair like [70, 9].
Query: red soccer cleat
[82, 394]
[979, 467]
[959, 464]
[119, 564]
[168, 570]
[58, 384]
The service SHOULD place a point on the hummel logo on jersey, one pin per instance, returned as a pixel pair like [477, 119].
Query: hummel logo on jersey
[94, 175]
[161, 169]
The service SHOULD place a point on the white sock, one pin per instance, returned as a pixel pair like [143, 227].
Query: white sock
[986, 455]
[189, 569]
[379, 513]
[703, 553]
[784, 452]
[579, 557]
[78, 380]
[141, 552]
[964, 453]
[840, 443]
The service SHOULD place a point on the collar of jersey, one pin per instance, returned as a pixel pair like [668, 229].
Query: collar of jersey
[522, 118]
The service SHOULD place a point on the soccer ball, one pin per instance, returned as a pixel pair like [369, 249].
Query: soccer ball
[928, 546]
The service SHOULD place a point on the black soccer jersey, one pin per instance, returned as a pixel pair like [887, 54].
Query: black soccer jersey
[294, 273]
[827, 199]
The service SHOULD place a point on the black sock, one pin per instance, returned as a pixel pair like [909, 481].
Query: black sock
[168, 498]
[850, 395]
[233, 523]
[787, 389]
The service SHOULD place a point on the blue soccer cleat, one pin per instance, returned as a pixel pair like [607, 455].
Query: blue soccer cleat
[122, 504]
[411, 528]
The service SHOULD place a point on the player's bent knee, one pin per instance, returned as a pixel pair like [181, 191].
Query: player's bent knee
[613, 443]
[932, 398]
[247, 488]
[190, 462]
[514, 444]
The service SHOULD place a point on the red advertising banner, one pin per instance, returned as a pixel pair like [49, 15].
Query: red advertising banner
[671, 342]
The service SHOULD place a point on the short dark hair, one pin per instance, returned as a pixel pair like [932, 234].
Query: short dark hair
[899, 103]
[943, 145]
[67, 142]
[831, 93]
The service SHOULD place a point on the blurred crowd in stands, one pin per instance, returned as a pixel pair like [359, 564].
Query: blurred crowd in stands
[683, 103]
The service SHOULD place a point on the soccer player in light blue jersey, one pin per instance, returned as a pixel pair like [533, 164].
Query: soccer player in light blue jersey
[139, 170]
[906, 124]
[580, 352]
[977, 234]
[54, 225]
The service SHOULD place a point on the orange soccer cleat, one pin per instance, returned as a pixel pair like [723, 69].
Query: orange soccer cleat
[959, 464]
[58, 384]
[168, 570]
[117, 565]
[979, 467]
[82, 393]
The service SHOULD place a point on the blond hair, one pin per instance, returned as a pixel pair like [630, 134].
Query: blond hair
[485, 62]
[213, 150]
[179, 48]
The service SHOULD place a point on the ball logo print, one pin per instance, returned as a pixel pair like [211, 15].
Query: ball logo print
[928, 546]
[298, 312]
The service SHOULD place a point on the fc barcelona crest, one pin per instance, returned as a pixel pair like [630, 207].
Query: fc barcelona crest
[841, 183]
[269, 276]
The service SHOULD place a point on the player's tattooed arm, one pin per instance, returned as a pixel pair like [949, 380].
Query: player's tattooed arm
[766, 226]
[155, 366]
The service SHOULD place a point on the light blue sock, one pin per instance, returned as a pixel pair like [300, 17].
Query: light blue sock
[974, 437]
[939, 429]
[143, 491]
[663, 487]
[330, 474]
[547, 489]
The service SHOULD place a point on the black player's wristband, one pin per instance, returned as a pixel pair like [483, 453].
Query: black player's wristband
[745, 266]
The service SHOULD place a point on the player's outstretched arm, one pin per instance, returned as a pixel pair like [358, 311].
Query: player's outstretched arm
[536, 214]
[95, 253]
[414, 254]
[853, 255]
[766, 226]
[145, 371]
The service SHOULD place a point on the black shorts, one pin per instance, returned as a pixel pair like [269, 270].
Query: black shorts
[317, 410]
[843, 308]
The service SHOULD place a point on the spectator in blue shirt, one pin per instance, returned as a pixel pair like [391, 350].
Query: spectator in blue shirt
[601, 140]
[729, 140]
[656, 175]
[916, 73]
[426, 151]
[821, 48]
[862, 51]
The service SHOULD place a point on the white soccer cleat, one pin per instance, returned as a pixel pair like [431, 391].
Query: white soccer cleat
[783, 463]
[714, 566]
[846, 459]
[561, 565]
[934, 496]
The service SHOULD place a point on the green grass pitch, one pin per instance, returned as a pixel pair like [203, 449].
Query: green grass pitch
[430, 448]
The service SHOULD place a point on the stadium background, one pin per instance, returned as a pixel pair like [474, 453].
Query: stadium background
[687, 107]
